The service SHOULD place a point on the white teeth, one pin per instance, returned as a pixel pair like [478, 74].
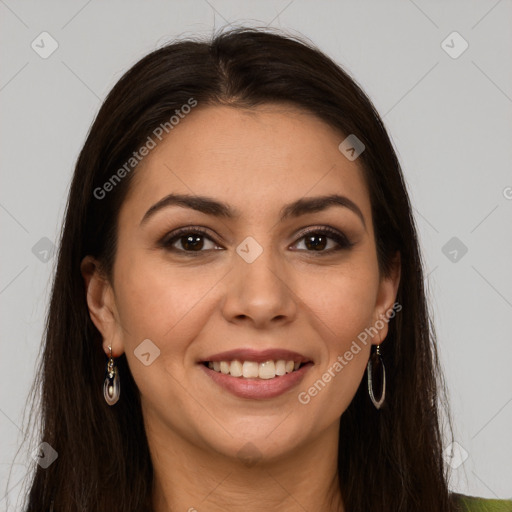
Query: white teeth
[267, 370]
[281, 367]
[251, 369]
[224, 367]
[236, 368]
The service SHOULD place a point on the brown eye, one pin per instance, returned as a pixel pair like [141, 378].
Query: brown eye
[192, 242]
[317, 240]
[196, 240]
[188, 240]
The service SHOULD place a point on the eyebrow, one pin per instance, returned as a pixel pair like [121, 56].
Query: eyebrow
[210, 206]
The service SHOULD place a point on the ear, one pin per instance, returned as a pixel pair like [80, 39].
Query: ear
[385, 307]
[101, 304]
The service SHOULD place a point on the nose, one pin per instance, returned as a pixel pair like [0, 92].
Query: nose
[260, 293]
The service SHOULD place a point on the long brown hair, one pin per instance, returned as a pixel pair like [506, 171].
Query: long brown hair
[390, 459]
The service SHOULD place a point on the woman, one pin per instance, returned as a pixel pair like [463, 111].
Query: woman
[239, 249]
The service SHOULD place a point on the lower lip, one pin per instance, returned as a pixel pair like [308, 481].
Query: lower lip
[257, 388]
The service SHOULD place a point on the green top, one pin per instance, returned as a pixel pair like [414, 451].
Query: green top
[474, 504]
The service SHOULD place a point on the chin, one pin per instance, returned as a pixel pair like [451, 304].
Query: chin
[253, 441]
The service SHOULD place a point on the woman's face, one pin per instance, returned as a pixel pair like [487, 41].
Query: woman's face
[252, 282]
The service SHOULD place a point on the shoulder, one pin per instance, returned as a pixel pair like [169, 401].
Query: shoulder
[476, 504]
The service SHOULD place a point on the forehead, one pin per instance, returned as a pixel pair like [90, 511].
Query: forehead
[271, 155]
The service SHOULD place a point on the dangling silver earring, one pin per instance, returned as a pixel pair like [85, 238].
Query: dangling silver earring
[111, 385]
[375, 368]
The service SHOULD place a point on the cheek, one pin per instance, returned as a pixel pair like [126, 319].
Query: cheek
[343, 311]
[164, 304]
[343, 300]
[154, 298]
[170, 307]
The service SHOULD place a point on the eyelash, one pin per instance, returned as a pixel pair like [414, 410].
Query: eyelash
[168, 241]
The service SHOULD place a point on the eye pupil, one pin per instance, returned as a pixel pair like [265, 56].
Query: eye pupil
[192, 242]
[311, 244]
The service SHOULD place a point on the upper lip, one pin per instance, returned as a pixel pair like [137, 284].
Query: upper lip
[258, 356]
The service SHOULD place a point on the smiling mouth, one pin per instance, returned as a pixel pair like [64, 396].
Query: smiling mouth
[253, 370]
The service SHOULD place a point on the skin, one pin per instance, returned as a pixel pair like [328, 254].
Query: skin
[292, 297]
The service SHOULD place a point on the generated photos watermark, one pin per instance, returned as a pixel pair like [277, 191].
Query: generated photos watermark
[151, 142]
[304, 397]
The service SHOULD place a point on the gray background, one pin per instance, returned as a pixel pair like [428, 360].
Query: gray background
[449, 119]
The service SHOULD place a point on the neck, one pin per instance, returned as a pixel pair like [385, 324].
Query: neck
[189, 478]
